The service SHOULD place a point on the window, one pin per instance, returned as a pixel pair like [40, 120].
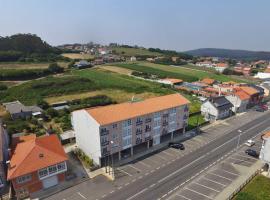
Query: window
[173, 111]
[127, 142]
[127, 132]
[157, 131]
[114, 125]
[114, 136]
[23, 179]
[43, 172]
[157, 115]
[127, 123]
[103, 139]
[52, 169]
[157, 123]
[61, 166]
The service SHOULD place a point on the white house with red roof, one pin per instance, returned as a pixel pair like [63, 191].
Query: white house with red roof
[36, 163]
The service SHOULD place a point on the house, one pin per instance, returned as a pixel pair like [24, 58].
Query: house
[220, 67]
[205, 64]
[82, 64]
[67, 137]
[264, 75]
[265, 150]
[3, 156]
[245, 70]
[36, 163]
[255, 95]
[239, 100]
[171, 81]
[208, 81]
[133, 58]
[18, 110]
[216, 108]
[118, 131]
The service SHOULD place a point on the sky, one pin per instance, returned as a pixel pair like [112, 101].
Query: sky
[167, 24]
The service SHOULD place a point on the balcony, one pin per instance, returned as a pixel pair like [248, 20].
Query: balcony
[104, 143]
[148, 129]
[148, 120]
[138, 131]
[148, 138]
[138, 123]
[166, 115]
[104, 132]
[165, 123]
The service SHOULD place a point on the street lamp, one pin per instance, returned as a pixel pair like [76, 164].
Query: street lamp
[112, 163]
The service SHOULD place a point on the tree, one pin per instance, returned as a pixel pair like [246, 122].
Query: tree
[55, 68]
[3, 87]
[51, 112]
[43, 104]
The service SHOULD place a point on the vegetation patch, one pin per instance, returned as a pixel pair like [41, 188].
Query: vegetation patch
[257, 189]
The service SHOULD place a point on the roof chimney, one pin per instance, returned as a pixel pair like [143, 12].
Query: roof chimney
[41, 155]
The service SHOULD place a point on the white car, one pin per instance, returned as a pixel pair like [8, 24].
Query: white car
[250, 143]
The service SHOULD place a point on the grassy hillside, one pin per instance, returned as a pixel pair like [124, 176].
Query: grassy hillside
[134, 51]
[79, 82]
[181, 72]
[77, 56]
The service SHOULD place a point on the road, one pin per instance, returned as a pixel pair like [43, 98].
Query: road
[158, 174]
[162, 181]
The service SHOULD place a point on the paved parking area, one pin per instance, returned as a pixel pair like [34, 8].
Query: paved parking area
[218, 177]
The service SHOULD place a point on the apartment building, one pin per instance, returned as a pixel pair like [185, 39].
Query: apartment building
[124, 129]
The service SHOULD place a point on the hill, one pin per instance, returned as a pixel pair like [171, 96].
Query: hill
[25, 46]
[229, 53]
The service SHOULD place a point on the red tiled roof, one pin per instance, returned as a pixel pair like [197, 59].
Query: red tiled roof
[249, 90]
[34, 154]
[242, 95]
[208, 81]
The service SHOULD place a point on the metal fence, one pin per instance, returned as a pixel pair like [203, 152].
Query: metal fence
[236, 191]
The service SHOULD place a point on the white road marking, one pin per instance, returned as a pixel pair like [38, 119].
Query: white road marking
[230, 172]
[198, 193]
[134, 168]
[124, 172]
[161, 157]
[151, 159]
[81, 195]
[146, 165]
[241, 160]
[132, 197]
[168, 154]
[180, 195]
[206, 187]
[214, 181]
[220, 176]
[247, 157]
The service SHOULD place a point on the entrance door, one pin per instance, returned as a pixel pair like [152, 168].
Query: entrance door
[49, 182]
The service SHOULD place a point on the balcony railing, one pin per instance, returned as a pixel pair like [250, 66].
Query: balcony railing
[148, 120]
[104, 143]
[138, 132]
[148, 138]
[148, 129]
[104, 132]
[138, 123]
[165, 123]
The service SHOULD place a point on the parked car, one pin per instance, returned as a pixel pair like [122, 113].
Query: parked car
[177, 145]
[252, 153]
[264, 107]
[259, 109]
[250, 143]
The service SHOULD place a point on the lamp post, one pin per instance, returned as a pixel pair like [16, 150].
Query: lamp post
[112, 163]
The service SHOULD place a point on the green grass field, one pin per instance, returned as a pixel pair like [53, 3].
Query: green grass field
[257, 189]
[78, 82]
[181, 72]
[134, 52]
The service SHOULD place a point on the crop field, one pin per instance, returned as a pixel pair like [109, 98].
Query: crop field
[181, 72]
[77, 56]
[134, 51]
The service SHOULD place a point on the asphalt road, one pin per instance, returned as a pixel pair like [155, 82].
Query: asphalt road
[162, 181]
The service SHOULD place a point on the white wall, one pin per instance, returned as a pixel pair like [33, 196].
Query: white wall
[265, 151]
[206, 108]
[87, 134]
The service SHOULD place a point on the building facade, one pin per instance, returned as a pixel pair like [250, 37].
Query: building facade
[36, 164]
[122, 130]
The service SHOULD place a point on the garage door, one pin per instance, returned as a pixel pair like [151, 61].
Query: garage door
[49, 182]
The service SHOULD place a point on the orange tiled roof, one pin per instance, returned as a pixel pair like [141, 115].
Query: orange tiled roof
[221, 65]
[266, 135]
[26, 157]
[249, 90]
[173, 80]
[208, 81]
[115, 113]
[242, 95]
